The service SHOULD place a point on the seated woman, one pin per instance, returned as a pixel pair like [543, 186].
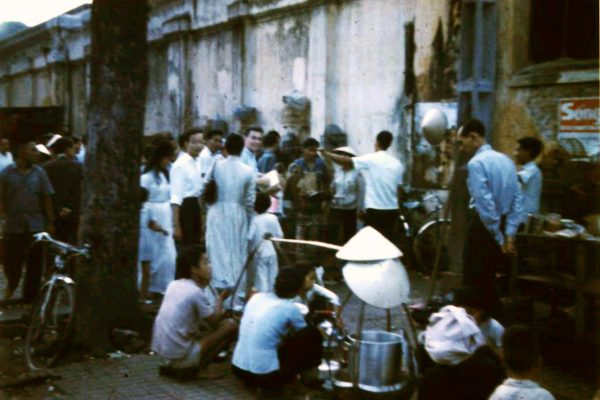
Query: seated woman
[319, 300]
[190, 304]
[275, 344]
[464, 365]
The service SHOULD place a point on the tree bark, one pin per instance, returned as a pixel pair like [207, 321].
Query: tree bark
[106, 285]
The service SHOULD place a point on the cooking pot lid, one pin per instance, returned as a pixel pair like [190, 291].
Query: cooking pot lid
[382, 284]
[368, 245]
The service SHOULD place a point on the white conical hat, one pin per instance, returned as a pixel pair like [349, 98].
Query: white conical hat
[42, 149]
[53, 140]
[346, 150]
[368, 245]
[382, 284]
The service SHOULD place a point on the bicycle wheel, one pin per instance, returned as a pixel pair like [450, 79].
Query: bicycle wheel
[50, 325]
[425, 246]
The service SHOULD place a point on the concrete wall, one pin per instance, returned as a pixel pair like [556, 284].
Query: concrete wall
[208, 57]
[527, 94]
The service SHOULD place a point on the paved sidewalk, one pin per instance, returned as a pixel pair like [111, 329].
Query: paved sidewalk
[136, 377]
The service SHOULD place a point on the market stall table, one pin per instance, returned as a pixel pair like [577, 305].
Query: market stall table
[560, 262]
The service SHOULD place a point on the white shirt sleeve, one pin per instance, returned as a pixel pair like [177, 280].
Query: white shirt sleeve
[526, 173]
[296, 319]
[177, 184]
[324, 292]
[362, 162]
[278, 231]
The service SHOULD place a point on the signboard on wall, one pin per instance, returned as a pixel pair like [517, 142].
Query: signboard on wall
[579, 126]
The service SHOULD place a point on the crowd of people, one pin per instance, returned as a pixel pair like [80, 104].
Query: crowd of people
[40, 191]
[210, 205]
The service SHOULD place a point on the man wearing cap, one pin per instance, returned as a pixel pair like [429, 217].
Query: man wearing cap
[26, 206]
[66, 176]
[496, 210]
[383, 176]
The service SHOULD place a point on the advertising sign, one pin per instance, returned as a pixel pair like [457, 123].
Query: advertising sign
[579, 126]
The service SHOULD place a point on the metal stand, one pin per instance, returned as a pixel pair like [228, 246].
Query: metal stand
[441, 234]
[355, 352]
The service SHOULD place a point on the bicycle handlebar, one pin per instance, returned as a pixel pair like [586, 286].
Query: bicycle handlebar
[45, 237]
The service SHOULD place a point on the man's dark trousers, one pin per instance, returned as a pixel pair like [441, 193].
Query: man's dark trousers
[189, 220]
[17, 251]
[482, 259]
[384, 221]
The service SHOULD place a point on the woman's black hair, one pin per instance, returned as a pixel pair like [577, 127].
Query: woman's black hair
[162, 149]
[288, 283]
[304, 267]
[262, 203]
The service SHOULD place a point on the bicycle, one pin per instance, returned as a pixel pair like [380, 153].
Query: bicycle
[420, 244]
[51, 320]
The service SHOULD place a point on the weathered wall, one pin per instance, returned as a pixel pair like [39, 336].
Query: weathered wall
[208, 57]
[214, 82]
[157, 116]
[526, 95]
[280, 64]
[367, 76]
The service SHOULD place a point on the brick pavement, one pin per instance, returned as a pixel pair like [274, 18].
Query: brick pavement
[136, 377]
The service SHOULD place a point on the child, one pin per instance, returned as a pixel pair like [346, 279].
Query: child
[522, 359]
[265, 268]
[188, 306]
[145, 250]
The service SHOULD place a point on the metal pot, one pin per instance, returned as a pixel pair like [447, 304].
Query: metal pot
[379, 367]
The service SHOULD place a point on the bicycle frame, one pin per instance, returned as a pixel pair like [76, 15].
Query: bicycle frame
[61, 259]
[49, 285]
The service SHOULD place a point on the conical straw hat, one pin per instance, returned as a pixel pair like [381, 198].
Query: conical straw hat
[53, 140]
[368, 245]
[42, 149]
[382, 284]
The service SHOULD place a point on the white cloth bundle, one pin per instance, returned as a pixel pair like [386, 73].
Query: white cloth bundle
[452, 335]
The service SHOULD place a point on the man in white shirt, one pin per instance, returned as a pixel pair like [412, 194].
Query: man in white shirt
[382, 173]
[530, 176]
[252, 144]
[6, 157]
[186, 185]
[211, 153]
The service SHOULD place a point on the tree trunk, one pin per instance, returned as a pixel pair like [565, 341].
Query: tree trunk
[106, 286]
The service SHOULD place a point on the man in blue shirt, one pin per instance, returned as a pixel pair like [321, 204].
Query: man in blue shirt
[496, 211]
[308, 180]
[267, 161]
[530, 176]
[26, 206]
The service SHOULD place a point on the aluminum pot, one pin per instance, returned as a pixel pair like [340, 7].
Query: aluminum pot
[380, 365]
